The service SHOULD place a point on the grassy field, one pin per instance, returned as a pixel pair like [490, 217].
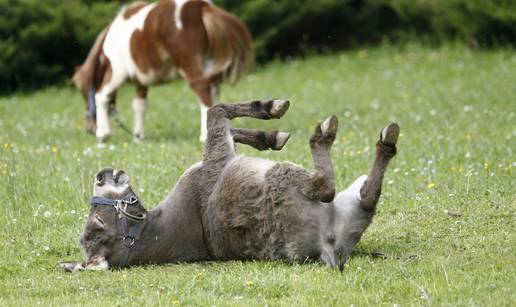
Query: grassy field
[446, 220]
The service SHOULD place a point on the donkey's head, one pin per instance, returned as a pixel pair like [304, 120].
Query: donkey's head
[115, 209]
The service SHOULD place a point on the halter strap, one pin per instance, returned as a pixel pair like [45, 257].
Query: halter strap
[131, 233]
[92, 105]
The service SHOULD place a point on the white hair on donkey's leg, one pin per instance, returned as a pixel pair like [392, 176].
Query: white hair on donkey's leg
[351, 195]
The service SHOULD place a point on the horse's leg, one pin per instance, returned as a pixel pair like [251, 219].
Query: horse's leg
[103, 97]
[322, 184]
[259, 139]
[139, 108]
[385, 151]
[207, 95]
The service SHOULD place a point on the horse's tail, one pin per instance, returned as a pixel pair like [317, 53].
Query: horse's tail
[87, 76]
[230, 47]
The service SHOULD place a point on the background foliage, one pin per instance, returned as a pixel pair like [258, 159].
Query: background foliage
[41, 42]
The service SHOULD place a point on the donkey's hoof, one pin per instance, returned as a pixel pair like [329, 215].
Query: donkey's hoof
[279, 107]
[281, 140]
[330, 125]
[390, 133]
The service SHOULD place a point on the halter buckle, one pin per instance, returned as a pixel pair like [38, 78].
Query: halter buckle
[128, 241]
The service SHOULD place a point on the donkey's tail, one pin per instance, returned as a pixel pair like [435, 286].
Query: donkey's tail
[86, 75]
[230, 47]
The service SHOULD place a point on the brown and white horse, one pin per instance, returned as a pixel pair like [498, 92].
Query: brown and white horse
[152, 43]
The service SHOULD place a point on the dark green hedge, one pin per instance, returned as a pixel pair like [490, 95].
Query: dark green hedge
[42, 41]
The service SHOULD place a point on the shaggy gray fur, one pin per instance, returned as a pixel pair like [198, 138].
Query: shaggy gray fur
[236, 207]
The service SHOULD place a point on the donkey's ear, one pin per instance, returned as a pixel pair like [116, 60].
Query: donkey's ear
[97, 221]
[121, 177]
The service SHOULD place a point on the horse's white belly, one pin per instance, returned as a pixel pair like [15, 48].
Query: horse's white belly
[117, 46]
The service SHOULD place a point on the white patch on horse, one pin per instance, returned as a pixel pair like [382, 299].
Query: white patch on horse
[139, 108]
[117, 45]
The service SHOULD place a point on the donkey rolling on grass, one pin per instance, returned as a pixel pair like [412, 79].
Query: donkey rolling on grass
[236, 207]
[152, 43]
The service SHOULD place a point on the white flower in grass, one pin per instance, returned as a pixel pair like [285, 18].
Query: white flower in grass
[433, 112]
[87, 152]
[72, 211]
[467, 155]
[467, 108]
[46, 248]
[47, 214]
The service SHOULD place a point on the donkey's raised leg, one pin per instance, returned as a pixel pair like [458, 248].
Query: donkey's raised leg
[322, 184]
[219, 147]
[261, 140]
[385, 151]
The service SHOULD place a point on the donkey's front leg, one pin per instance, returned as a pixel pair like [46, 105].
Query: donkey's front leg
[261, 140]
[219, 144]
[322, 184]
[139, 108]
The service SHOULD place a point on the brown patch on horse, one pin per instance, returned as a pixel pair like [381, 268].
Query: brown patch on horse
[147, 45]
[227, 35]
[133, 8]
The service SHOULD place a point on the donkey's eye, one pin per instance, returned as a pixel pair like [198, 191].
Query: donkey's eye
[99, 179]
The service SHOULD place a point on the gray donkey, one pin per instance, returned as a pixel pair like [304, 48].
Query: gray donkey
[236, 207]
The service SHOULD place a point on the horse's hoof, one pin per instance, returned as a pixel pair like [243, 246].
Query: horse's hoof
[101, 141]
[279, 107]
[138, 138]
[390, 133]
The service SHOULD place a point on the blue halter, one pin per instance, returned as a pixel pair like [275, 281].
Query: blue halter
[130, 233]
[92, 105]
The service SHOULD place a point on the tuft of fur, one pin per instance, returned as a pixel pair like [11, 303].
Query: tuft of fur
[229, 44]
[87, 75]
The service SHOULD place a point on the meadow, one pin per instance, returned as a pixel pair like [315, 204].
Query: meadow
[444, 233]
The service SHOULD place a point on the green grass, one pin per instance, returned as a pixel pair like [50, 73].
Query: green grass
[448, 197]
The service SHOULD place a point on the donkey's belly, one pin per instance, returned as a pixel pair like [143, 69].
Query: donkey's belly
[251, 216]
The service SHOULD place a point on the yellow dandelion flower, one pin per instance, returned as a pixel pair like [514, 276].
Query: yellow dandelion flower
[486, 165]
[431, 185]
[125, 144]
[175, 302]
[249, 283]
[55, 149]
[7, 145]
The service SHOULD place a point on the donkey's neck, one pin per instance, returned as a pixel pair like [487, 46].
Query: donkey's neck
[173, 233]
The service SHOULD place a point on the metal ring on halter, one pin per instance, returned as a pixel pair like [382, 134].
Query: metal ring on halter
[130, 243]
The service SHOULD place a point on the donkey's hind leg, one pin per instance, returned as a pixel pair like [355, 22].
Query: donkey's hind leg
[322, 184]
[385, 151]
[261, 140]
